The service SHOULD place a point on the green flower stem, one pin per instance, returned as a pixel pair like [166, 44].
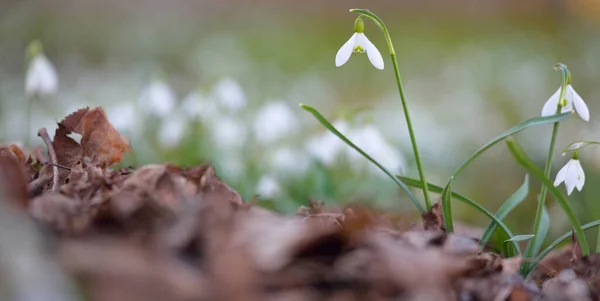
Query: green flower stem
[411, 132]
[534, 245]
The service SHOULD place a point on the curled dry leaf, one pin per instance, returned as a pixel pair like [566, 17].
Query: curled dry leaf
[101, 144]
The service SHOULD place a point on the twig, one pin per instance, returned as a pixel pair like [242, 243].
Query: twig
[44, 134]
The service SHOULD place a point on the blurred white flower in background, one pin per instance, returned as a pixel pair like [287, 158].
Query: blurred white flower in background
[41, 77]
[122, 116]
[326, 147]
[157, 98]
[290, 161]
[172, 130]
[229, 94]
[273, 121]
[268, 187]
[371, 141]
[196, 106]
[228, 133]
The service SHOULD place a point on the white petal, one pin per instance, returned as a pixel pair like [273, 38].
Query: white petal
[372, 53]
[579, 104]
[580, 175]
[549, 108]
[41, 76]
[562, 174]
[572, 176]
[343, 55]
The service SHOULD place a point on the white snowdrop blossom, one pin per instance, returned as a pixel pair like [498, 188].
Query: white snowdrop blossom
[157, 98]
[572, 174]
[326, 147]
[41, 77]
[571, 99]
[268, 187]
[273, 121]
[370, 140]
[358, 42]
[229, 94]
[172, 130]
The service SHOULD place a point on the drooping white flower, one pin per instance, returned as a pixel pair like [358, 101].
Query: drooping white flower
[572, 174]
[273, 121]
[41, 78]
[358, 42]
[230, 94]
[326, 147]
[157, 98]
[268, 187]
[571, 99]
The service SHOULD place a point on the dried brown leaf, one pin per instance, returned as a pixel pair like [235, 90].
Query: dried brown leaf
[433, 220]
[101, 143]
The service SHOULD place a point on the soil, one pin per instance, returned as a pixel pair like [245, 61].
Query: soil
[73, 228]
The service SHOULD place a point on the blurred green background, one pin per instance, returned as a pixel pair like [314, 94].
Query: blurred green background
[237, 70]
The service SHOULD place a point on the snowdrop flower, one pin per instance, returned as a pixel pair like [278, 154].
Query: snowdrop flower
[172, 130]
[41, 77]
[196, 106]
[268, 187]
[571, 99]
[326, 147]
[273, 121]
[230, 94]
[572, 174]
[157, 98]
[358, 42]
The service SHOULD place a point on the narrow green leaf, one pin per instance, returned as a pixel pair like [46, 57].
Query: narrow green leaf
[437, 189]
[522, 158]
[528, 123]
[513, 201]
[559, 241]
[544, 228]
[332, 129]
[507, 249]
[577, 145]
[447, 207]
[521, 237]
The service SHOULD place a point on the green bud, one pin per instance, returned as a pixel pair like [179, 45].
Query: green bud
[34, 48]
[575, 155]
[359, 25]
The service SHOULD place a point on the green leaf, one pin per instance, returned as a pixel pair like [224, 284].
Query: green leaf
[528, 123]
[332, 129]
[559, 241]
[577, 145]
[507, 249]
[513, 201]
[446, 207]
[437, 189]
[544, 227]
[522, 158]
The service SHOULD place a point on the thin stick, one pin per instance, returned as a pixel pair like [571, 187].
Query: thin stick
[44, 134]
